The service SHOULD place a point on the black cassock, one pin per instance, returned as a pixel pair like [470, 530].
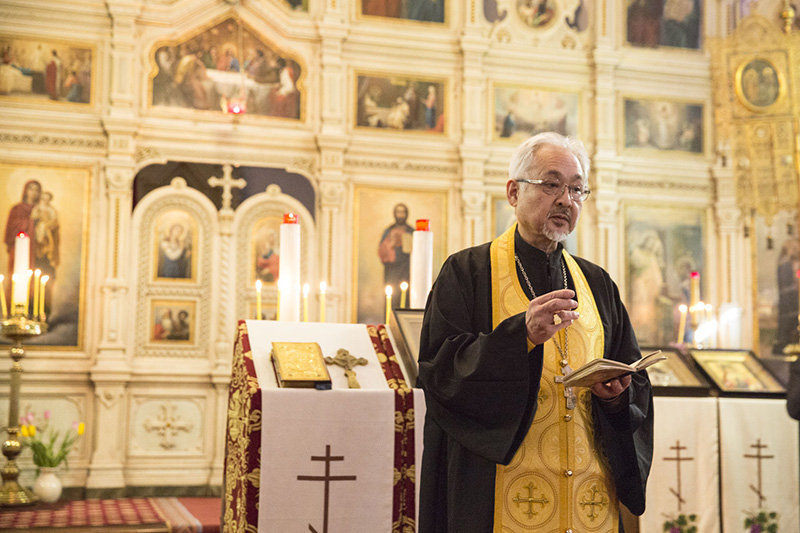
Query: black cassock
[481, 387]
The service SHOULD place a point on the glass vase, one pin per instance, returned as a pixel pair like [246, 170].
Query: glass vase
[47, 485]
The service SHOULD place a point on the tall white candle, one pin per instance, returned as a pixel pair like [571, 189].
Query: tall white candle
[421, 278]
[22, 257]
[289, 268]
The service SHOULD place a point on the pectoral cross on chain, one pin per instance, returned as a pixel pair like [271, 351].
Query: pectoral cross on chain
[347, 361]
[569, 395]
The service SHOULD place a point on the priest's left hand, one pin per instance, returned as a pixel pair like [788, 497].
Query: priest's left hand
[611, 389]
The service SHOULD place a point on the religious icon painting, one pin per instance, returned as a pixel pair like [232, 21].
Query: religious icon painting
[431, 11]
[736, 371]
[385, 220]
[265, 249]
[400, 103]
[537, 13]
[760, 83]
[226, 67]
[174, 240]
[521, 112]
[172, 321]
[51, 205]
[674, 376]
[673, 23]
[663, 125]
[663, 246]
[43, 70]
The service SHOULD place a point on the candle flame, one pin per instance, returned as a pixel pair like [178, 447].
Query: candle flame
[258, 285]
[683, 308]
[22, 235]
[404, 286]
[388, 290]
[323, 287]
[306, 288]
[45, 279]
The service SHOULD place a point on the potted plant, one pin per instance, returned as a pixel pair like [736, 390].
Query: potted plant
[50, 448]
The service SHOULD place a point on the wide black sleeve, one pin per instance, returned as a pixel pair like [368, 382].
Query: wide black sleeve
[477, 381]
[793, 391]
[626, 435]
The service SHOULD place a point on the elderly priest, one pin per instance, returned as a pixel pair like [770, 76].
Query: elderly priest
[507, 447]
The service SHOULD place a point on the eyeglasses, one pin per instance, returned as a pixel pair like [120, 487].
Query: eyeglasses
[555, 188]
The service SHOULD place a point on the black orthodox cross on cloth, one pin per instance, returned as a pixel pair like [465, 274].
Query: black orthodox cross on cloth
[327, 478]
[678, 459]
[758, 490]
[347, 361]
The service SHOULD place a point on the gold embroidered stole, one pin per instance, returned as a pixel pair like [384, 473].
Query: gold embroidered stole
[557, 480]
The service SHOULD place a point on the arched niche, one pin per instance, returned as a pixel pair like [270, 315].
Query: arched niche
[174, 245]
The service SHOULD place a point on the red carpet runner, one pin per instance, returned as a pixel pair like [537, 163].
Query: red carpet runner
[153, 515]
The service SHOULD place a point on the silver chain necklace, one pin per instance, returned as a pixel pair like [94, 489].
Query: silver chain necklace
[561, 352]
[569, 395]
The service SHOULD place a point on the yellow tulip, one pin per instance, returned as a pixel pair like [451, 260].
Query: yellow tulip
[81, 428]
[24, 430]
[32, 430]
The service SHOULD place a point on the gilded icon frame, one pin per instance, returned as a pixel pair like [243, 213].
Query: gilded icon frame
[737, 371]
[773, 96]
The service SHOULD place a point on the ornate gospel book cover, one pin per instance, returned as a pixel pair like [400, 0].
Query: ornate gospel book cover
[300, 364]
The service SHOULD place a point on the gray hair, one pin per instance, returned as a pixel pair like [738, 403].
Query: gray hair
[524, 157]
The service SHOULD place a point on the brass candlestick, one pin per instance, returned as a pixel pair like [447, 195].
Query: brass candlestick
[17, 328]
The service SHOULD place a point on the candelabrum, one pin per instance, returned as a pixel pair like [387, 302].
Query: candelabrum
[17, 328]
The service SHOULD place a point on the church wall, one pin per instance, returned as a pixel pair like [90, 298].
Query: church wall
[156, 410]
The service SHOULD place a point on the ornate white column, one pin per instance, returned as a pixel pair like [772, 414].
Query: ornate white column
[224, 303]
[111, 371]
[606, 167]
[474, 154]
[332, 141]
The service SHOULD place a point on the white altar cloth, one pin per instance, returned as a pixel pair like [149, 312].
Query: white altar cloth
[355, 426]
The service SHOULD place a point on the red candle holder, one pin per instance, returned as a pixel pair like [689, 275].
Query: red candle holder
[423, 224]
[290, 218]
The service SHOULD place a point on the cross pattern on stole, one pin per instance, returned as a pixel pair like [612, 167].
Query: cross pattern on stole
[592, 502]
[677, 492]
[530, 500]
[327, 478]
[758, 457]
[227, 183]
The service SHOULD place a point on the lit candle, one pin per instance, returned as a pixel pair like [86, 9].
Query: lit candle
[279, 284]
[42, 315]
[306, 288]
[14, 281]
[323, 287]
[682, 324]
[22, 257]
[709, 314]
[388, 303]
[28, 277]
[3, 297]
[258, 299]
[36, 275]
[404, 290]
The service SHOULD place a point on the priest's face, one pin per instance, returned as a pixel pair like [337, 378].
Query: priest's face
[545, 220]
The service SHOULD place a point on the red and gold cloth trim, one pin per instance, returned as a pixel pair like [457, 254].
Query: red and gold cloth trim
[86, 513]
[242, 441]
[404, 493]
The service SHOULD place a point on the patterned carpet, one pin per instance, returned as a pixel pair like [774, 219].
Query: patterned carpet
[132, 515]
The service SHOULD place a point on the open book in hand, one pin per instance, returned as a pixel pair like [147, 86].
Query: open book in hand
[599, 370]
